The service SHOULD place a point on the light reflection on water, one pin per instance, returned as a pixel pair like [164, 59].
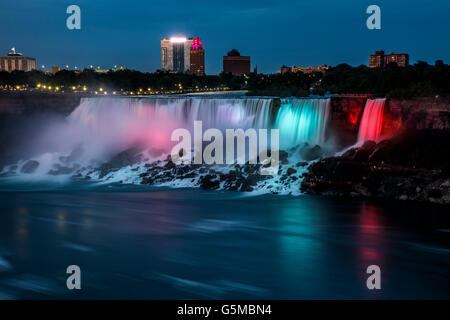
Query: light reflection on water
[195, 244]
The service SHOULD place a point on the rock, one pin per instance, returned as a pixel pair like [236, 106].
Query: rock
[188, 175]
[283, 156]
[364, 191]
[209, 182]
[291, 171]
[246, 187]
[147, 180]
[378, 154]
[361, 154]
[123, 159]
[62, 170]
[252, 180]
[307, 153]
[169, 165]
[446, 184]
[30, 166]
[435, 193]
[301, 164]
[73, 156]
[369, 145]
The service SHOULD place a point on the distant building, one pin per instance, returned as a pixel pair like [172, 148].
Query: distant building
[197, 57]
[235, 63]
[322, 68]
[176, 54]
[16, 61]
[55, 69]
[381, 60]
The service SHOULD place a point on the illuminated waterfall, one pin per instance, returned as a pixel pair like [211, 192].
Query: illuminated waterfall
[303, 120]
[101, 128]
[372, 120]
[121, 122]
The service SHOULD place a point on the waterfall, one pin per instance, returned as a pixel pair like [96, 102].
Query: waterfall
[102, 127]
[303, 120]
[118, 123]
[372, 121]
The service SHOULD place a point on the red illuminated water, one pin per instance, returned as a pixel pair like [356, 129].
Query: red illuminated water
[372, 121]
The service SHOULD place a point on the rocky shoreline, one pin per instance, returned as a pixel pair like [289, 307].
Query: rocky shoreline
[412, 166]
[238, 177]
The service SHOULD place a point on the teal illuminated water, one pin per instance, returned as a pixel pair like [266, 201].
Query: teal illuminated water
[303, 120]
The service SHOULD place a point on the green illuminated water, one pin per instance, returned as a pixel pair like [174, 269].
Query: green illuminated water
[303, 120]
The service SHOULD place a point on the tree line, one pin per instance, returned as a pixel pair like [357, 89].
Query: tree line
[420, 79]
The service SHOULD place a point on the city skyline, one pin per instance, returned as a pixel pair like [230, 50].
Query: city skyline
[251, 27]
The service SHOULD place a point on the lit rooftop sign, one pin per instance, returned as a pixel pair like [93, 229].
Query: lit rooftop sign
[177, 39]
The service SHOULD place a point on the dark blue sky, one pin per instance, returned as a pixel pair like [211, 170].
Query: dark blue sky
[272, 32]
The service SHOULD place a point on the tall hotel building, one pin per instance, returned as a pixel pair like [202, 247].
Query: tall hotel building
[197, 63]
[16, 61]
[176, 54]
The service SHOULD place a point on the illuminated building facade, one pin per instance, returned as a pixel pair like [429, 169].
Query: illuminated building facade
[197, 57]
[235, 63]
[322, 68]
[175, 54]
[381, 60]
[16, 61]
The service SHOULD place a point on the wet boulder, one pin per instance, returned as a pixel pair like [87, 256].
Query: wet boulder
[283, 156]
[59, 169]
[291, 171]
[209, 181]
[122, 159]
[311, 153]
[30, 166]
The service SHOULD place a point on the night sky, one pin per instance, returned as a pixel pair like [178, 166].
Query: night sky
[314, 32]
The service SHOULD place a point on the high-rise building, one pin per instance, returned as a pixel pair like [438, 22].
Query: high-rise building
[235, 63]
[16, 61]
[55, 69]
[381, 60]
[176, 54]
[197, 59]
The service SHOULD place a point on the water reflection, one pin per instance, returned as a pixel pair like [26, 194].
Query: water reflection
[183, 244]
[371, 244]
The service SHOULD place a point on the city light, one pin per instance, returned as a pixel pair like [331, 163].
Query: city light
[178, 39]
